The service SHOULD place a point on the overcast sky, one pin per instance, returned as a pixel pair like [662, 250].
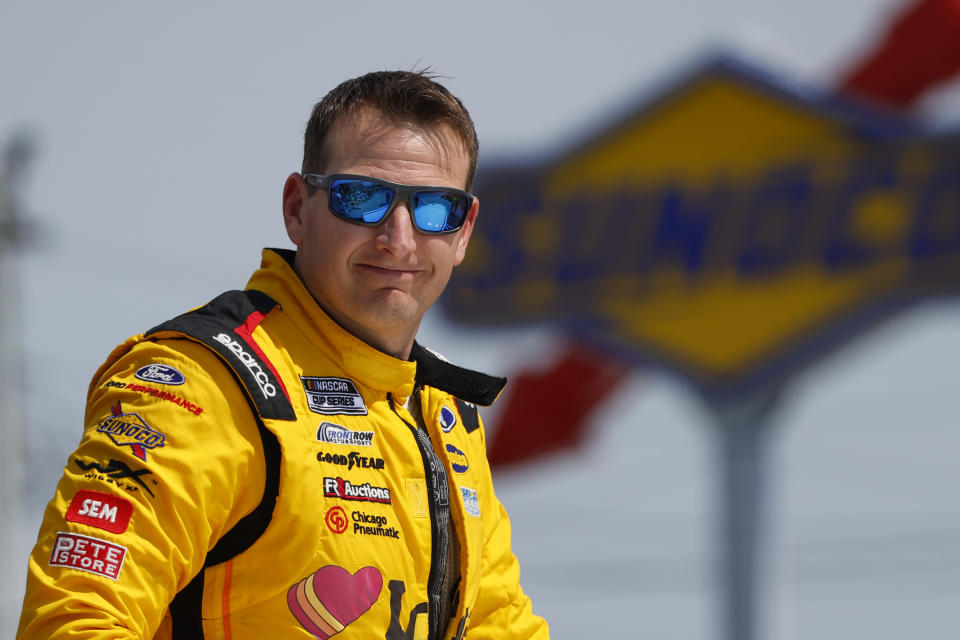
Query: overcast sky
[164, 133]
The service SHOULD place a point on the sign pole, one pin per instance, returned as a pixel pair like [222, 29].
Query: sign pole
[743, 448]
[16, 154]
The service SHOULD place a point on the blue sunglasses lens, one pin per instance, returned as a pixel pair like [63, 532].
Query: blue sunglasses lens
[439, 211]
[360, 200]
[367, 202]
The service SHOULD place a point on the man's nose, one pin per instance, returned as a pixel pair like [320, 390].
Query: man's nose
[397, 234]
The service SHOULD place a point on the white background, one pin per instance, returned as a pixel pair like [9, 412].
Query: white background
[164, 133]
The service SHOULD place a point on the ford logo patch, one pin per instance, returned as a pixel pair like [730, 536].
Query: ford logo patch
[161, 374]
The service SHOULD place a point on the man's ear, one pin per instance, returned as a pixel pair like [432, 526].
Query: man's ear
[294, 201]
[466, 232]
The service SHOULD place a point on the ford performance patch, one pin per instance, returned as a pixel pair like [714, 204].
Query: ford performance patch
[333, 396]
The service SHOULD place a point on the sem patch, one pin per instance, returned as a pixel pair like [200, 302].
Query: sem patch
[130, 430]
[160, 374]
[102, 510]
[333, 396]
[471, 502]
[75, 551]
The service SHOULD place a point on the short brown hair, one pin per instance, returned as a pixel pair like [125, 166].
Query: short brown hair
[405, 97]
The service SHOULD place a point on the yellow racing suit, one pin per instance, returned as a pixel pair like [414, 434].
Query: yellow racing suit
[251, 470]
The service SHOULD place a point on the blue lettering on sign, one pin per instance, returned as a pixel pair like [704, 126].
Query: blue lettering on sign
[161, 374]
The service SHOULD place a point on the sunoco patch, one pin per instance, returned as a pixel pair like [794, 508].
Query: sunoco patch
[333, 396]
[130, 430]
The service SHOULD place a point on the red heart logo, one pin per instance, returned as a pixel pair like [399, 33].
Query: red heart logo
[329, 599]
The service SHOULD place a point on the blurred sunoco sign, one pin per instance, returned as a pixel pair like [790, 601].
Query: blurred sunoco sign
[731, 229]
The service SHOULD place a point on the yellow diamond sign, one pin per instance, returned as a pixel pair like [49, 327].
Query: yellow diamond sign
[731, 229]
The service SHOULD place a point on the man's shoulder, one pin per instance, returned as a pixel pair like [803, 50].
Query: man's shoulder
[472, 387]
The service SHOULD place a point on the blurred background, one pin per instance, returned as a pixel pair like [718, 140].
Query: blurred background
[145, 149]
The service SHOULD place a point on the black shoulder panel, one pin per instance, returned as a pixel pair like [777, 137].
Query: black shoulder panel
[472, 386]
[468, 415]
[224, 324]
[229, 315]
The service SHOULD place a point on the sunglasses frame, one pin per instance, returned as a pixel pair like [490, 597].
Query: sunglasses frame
[401, 192]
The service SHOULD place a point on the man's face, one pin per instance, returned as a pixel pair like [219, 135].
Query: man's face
[377, 282]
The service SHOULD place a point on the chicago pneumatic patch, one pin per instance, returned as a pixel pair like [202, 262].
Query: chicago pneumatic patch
[333, 396]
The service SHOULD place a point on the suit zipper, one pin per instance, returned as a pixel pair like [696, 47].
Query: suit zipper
[439, 503]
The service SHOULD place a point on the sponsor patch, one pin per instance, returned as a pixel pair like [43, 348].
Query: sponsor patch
[102, 510]
[130, 430]
[161, 394]
[447, 419]
[335, 434]
[417, 491]
[261, 377]
[470, 501]
[93, 555]
[333, 396]
[336, 519]
[114, 472]
[366, 524]
[345, 490]
[458, 459]
[160, 374]
[351, 460]
[330, 598]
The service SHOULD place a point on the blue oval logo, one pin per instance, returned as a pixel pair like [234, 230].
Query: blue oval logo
[161, 374]
[447, 419]
[458, 459]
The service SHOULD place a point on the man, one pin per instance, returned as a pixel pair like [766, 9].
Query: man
[286, 461]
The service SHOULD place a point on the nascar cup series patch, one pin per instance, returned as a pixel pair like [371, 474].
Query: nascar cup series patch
[333, 396]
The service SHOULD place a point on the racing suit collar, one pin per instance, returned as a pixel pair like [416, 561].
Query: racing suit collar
[277, 278]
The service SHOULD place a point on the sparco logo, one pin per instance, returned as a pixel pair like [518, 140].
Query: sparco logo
[263, 381]
[335, 434]
[351, 460]
[343, 489]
